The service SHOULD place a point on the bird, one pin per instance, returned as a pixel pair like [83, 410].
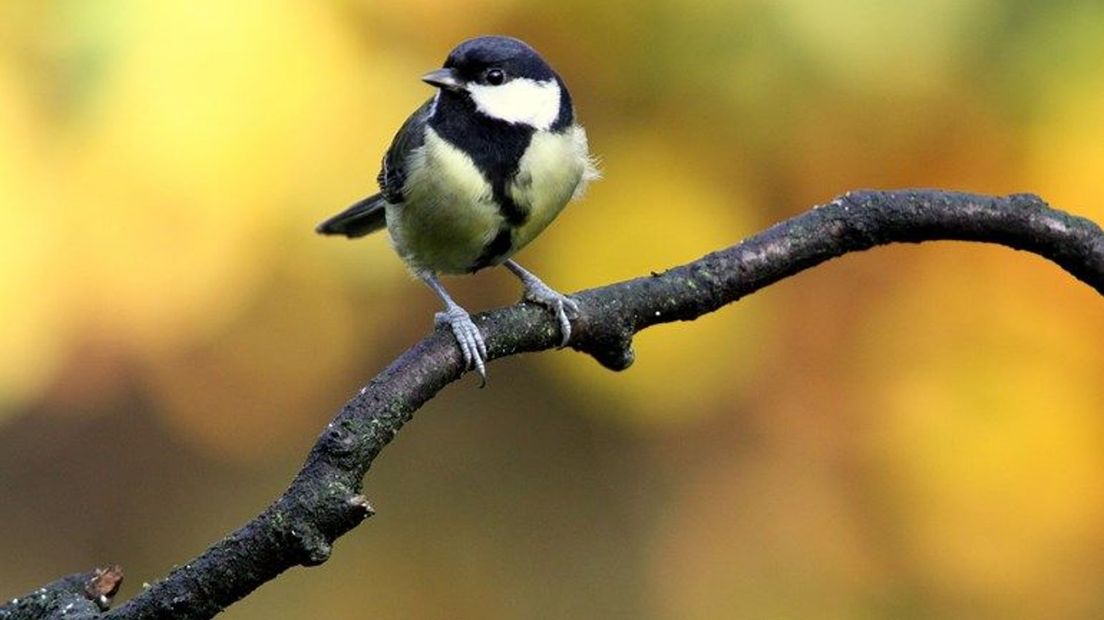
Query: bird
[475, 174]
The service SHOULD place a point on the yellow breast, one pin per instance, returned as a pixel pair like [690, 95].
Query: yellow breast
[450, 216]
[555, 168]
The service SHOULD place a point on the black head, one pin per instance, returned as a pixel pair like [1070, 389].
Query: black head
[479, 60]
[504, 79]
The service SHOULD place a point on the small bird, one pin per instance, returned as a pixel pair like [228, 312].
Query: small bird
[476, 173]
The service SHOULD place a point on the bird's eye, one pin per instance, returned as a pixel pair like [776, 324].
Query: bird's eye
[495, 76]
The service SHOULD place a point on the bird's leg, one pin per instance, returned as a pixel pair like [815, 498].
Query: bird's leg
[539, 292]
[472, 346]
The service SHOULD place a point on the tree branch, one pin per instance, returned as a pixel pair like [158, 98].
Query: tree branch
[77, 597]
[323, 501]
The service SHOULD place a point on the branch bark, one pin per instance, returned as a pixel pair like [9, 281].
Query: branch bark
[82, 596]
[324, 502]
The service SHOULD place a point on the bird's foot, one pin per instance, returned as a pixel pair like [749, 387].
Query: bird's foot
[472, 346]
[565, 308]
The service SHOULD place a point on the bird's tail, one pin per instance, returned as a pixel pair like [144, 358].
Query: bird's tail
[364, 217]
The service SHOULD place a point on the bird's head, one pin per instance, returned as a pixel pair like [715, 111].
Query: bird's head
[505, 79]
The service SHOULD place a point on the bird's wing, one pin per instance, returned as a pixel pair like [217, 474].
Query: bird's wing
[411, 136]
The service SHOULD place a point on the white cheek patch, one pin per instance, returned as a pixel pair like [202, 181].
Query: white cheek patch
[520, 100]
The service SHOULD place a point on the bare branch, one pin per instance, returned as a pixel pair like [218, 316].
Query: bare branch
[77, 597]
[324, 501]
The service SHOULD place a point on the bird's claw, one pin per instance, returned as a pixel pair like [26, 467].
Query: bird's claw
[565, 308]
[472, 346]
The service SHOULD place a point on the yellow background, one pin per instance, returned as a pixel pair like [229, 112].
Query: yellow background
[915, 432]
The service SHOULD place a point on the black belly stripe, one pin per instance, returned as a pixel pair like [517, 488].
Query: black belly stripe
[497, 248]
[511, 211]
[495, 147]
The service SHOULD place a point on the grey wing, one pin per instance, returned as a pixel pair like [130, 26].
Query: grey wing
[411, 136]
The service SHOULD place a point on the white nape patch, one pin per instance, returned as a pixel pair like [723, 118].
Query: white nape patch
[520, 100]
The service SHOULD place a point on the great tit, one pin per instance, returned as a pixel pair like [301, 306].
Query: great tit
[476, 173]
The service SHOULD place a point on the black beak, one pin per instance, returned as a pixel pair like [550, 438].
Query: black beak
[444, 78]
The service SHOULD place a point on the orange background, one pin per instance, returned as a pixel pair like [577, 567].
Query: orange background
[912, 432]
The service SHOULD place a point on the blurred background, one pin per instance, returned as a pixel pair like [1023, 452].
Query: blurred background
[914, 432]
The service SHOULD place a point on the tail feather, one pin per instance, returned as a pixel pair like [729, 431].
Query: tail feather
[364, 217]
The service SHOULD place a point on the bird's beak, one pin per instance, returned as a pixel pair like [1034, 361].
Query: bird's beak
[444, 78]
